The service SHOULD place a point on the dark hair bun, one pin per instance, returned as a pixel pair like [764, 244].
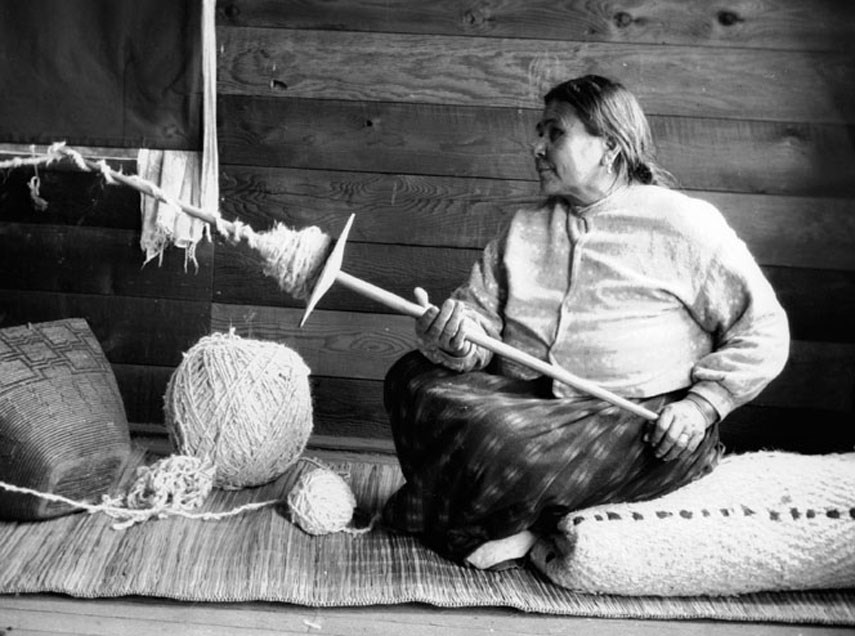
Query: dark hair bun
[642, 173]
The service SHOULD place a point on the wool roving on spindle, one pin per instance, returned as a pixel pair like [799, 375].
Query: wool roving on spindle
[294, 258]
[245, 404]
[321, 502]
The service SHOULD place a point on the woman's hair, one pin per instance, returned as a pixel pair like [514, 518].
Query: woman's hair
[610, 111]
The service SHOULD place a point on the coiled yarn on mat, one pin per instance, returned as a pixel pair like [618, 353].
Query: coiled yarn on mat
[244, 404]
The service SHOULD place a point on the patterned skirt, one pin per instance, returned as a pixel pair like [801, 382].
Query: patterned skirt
[487, 456]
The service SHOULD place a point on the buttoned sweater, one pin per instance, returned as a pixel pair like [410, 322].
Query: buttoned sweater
[644, 292]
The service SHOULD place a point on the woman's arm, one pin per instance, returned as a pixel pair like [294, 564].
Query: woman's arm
[736, 304]
[752, 339]
[472, 307]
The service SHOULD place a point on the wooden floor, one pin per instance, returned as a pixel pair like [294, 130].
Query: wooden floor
[28, 615]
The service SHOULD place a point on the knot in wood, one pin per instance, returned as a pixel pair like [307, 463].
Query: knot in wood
[475, 18]
[622, 19]
[232, 11]
[729, 18]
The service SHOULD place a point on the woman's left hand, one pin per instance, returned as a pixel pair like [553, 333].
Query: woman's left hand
[678, 432]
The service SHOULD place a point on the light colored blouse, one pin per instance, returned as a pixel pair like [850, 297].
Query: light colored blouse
[644, 292]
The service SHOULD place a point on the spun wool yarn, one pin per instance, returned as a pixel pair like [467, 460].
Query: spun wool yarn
[176, 482]
[244, 404]
[174, 485]
[321, 502]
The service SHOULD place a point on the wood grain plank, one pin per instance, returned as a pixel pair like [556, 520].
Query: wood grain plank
[336, 344]
[93, 260]
[443, 211]
[147, 331]
[466, 212]
[44, 622]
[430, 139]
[364, 346]
[804, 232]
[352, 408]
[684, 81]
[824, 25]
[382, 449]
[140, 616]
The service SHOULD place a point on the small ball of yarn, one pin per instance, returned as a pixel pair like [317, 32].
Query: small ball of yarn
[244, 404]
[321, 502]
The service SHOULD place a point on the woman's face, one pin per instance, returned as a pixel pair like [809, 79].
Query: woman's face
[569, 159]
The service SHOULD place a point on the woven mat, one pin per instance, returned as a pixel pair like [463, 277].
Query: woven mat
[261, 556]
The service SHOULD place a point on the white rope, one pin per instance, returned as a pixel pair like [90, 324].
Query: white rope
[171, 487]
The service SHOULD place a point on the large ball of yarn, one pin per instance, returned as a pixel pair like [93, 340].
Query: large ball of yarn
[321, 502]
[244, 404]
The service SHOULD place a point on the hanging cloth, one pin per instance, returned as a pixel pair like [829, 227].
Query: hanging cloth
[185, 175]
[178, 174]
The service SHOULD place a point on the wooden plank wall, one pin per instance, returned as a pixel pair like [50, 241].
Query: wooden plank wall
[419, 117]
[81, 258]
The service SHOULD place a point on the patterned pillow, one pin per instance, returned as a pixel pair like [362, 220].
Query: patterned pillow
[760, 521]
[63, 427]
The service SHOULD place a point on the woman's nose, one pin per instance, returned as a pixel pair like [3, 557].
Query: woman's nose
[538, 149]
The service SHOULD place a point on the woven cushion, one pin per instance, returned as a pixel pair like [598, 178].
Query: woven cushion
[63, 427]
[759, 521]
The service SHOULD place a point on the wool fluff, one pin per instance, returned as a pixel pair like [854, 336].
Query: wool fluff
[244, 404]
[321, 502]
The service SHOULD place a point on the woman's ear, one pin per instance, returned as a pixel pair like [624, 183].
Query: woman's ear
[608, 151]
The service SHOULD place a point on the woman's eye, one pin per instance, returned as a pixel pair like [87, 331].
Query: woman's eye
[555, 134]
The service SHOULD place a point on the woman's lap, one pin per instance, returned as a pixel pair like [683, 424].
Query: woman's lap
[486, 456]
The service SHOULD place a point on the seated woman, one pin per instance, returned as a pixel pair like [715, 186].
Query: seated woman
[622, 281]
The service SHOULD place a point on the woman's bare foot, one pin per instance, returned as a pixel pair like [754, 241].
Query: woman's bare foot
[495, 552]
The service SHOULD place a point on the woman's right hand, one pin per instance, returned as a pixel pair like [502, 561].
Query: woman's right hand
[442, 327]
